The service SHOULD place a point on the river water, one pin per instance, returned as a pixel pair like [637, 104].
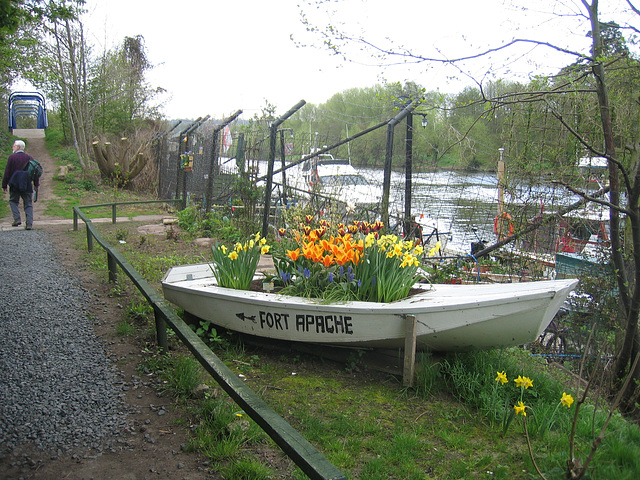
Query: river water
[462, 206]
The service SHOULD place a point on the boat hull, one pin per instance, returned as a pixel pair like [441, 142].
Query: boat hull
[449, 317]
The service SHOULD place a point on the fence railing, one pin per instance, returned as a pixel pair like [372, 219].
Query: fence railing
[293, 444]
[114, 208]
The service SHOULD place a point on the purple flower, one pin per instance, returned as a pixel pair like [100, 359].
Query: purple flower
[330, 277]
[285, 276]
[306, 273]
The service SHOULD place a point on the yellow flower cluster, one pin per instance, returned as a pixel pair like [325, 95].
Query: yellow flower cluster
[408, 251]
[249, 245]
[524, 383]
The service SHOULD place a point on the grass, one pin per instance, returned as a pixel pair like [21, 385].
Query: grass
[125, 329]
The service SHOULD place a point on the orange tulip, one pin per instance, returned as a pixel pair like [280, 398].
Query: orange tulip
[327, 260]
[318, 252]
[293, 254]
[341, 259]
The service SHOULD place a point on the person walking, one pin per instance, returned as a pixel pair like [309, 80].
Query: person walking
[17, 178]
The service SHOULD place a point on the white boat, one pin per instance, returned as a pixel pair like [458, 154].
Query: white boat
[449, 317]
[338, 179]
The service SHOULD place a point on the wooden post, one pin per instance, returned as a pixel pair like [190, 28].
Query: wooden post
[113, 268]
[161, 330]
[113, 213]
[89, 240]
[409, 350]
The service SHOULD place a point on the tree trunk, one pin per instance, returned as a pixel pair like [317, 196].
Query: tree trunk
[67, 100]
[629, 292]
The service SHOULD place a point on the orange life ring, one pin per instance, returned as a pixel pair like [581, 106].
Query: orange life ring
[507, 217]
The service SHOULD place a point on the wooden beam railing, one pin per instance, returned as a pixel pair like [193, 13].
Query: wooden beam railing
[294, 445]
[114, 208]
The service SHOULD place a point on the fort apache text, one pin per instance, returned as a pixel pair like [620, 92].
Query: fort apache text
[308, 323]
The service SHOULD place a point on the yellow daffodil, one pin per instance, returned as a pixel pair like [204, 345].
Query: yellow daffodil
[263, 241]
[223, 249]
[520, 409]
[566, 400]
[233, 255]
[435, 249]
[502, 377]
[523, 382]
[265, 249]
[369, 240]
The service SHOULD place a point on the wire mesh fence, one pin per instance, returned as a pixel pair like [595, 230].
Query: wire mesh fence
[208, 165]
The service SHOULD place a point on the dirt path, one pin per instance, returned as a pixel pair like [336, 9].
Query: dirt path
[152, 447]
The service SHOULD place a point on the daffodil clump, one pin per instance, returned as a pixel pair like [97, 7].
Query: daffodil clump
[348, 262]
[524, 383]
[234, 267]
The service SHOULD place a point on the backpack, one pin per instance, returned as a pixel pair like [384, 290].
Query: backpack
[35, 169]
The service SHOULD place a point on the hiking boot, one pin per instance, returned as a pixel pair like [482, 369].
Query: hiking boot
[16, 223]
[28, 227]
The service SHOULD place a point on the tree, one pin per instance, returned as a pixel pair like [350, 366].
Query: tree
[21, 23]
[120, 96]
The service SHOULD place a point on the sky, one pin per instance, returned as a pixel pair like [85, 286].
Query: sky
[215, 57]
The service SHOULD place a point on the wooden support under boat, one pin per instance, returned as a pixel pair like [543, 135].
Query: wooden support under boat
[409, 370]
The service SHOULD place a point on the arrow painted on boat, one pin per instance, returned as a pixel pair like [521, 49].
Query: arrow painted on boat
[243, 317]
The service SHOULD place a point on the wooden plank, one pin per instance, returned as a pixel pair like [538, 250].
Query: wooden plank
[409, 351]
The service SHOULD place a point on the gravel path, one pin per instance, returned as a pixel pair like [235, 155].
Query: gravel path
[57, 388]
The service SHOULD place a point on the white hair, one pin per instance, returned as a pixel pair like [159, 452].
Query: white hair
[20, 144]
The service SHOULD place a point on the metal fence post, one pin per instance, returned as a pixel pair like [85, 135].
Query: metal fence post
[113, 212]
